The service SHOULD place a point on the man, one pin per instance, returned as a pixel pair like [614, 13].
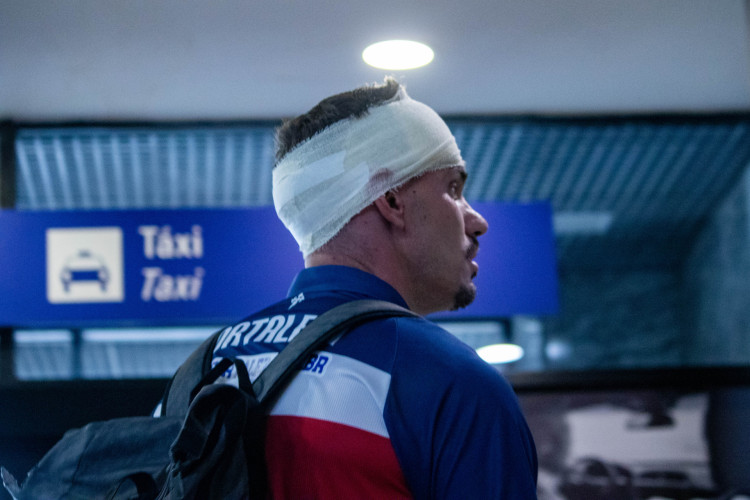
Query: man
[370, 184]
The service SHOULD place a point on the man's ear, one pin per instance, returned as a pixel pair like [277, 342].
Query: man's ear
[391, 208]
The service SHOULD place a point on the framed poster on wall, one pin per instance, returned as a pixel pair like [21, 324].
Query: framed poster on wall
[675, 434]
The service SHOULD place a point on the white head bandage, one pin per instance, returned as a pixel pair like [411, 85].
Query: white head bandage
[329, 178]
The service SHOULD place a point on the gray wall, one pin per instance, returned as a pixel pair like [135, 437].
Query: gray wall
[696, 315]
[717, 277]
[616, 321]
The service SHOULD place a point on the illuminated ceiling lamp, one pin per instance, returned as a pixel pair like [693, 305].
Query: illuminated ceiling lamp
[398, 55]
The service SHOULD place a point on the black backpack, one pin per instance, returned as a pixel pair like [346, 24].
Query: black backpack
[209, 441]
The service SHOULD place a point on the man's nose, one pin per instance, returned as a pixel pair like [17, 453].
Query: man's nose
[476, 225]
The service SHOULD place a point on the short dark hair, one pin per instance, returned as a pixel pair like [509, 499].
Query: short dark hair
[353, 103]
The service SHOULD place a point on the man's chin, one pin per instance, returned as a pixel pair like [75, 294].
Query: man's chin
[464, 297]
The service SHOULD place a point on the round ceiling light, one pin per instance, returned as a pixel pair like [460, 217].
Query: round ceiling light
[500, 353]
[398, 54]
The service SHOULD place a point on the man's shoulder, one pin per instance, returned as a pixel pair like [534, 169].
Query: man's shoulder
[440, 351]
[435, 372]
[424, 335]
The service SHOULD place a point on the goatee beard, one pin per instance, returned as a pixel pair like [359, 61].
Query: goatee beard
[464, 297]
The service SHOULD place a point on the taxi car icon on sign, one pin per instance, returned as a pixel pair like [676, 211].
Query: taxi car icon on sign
[84, 267]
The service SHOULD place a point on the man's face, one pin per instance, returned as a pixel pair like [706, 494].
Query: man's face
[443, 240]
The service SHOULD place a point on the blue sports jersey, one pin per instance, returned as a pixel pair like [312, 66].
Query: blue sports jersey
[396, 408]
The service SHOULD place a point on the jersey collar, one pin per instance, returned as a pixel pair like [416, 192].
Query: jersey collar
[338, 279]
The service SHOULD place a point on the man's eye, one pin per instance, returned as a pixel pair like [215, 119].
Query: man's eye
[455, 190]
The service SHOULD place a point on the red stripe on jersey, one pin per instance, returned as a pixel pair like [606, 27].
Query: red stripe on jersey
[316, 459]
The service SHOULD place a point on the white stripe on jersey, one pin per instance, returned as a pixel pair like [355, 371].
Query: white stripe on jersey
[338, 389]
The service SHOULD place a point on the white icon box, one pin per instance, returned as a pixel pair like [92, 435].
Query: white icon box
[85, 265]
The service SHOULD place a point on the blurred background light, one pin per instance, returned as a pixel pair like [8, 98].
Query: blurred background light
[500, 353]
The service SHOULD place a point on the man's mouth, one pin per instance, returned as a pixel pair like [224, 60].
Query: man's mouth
[473, 249]
[471, 254]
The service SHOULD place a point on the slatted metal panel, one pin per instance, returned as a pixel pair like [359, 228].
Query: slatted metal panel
[101, 168]
[658, 179]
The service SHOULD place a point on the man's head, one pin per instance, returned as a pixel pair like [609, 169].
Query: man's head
[436, 232]
[374, 178]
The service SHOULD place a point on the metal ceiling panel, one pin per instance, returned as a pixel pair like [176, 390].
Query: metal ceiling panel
[658, 179]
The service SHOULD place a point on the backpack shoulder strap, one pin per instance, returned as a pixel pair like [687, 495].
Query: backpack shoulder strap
[176, 398]
[325, 327]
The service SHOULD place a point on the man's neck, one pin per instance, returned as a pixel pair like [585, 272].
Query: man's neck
[366, 244]
[391, 276]
[332, 259]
